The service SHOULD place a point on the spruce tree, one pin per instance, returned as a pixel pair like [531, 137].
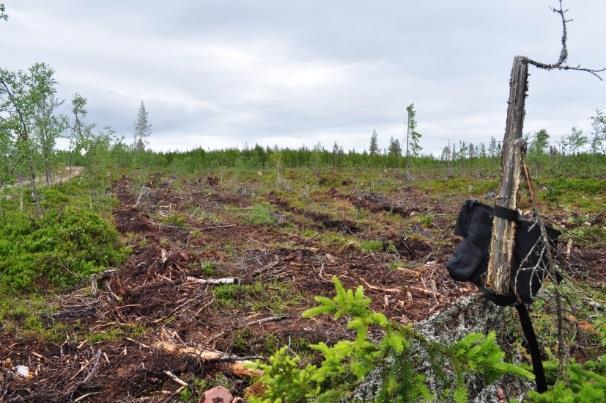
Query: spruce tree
[374, 143]
[413, 138]
[471, 151]
[142, 128]
[395, 149]
[482, 152]
[445, 156]
[492, 147]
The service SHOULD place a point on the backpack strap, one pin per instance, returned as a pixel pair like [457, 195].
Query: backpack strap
[506, 213]
[533, 345]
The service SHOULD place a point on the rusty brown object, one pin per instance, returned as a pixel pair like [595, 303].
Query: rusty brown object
[218, 394]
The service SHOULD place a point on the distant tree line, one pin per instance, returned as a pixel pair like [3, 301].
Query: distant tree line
[31, 127]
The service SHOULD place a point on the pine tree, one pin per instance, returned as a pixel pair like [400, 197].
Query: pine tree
[471, 151]
[336, 148]
[463, 150]
[413, 138]
[395, 149]
[142, 128]
[492, 147]
[445, 156]
[482, 150]
[374, 143]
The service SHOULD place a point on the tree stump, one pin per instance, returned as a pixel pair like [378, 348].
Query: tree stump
[498, 276]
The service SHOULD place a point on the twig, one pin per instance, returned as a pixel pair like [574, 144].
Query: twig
[268, 319]
[552, 268]
[94, 369]
[175, 378]
[175, 393]
[382, 289]
[136, 342]
[560, 64]
[85, 396]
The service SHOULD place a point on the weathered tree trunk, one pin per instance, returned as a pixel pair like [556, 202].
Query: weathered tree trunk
[498, 276]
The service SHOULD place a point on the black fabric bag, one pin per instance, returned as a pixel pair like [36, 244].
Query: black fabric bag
[470, 259]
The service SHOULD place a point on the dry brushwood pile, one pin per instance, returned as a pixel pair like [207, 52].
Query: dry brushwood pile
[220, 269]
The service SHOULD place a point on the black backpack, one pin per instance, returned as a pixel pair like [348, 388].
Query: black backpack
[470, 262]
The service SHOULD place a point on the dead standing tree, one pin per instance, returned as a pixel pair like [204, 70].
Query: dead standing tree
[499, 272]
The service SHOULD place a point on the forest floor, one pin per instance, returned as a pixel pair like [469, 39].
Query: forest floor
[280, 241]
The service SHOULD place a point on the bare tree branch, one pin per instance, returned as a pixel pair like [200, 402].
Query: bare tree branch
[560, 64]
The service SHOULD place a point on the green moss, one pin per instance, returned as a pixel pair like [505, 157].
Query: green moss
[426, 220]
[371, 246]
[114, 334]
[331, 239]
[176, 220]
[29, 317]
[60, 248]
[207, 268]
[258, 296]
[261, 214]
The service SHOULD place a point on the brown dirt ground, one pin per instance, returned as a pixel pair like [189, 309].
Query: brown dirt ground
[151, 291]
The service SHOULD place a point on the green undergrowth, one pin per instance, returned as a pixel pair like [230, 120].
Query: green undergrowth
[118, 332]
[61, 243]
[58, 249]
[584, 330]
[274, 296]
[30, 316]
[347, 362]
[52, 248]
[580, 381]
[261, 214]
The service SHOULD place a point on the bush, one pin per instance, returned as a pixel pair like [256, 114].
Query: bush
[58, 249]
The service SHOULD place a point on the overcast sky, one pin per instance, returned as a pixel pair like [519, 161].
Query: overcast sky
[221, 73]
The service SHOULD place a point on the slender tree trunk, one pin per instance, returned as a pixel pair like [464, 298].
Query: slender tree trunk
[32, 176]
[503, 235]
[407, 139]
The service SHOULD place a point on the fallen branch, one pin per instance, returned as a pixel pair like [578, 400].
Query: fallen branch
[214, 281]
[382, 289]
[239, 366]
[175, 378]
[269, 319]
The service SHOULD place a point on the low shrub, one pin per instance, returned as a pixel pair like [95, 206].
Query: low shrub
[58, 249]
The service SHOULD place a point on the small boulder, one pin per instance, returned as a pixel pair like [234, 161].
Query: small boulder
[218, 394]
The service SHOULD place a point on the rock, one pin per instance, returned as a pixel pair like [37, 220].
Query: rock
[218, 394]
[468, 314]
[22, 371]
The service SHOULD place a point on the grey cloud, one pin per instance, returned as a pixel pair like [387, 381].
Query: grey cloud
[222, 73]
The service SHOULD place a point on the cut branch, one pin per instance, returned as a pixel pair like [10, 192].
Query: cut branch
[560, 64]
[240, 366]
